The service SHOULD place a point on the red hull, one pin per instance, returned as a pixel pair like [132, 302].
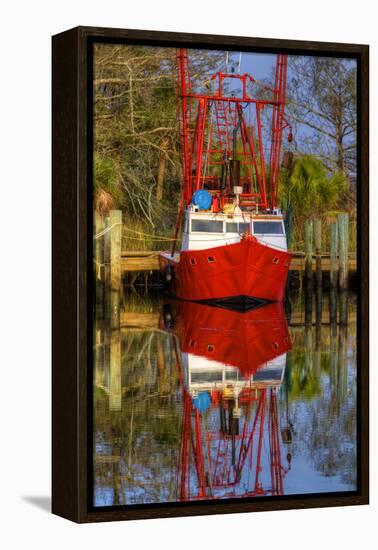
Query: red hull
[246, 269]
[242, 340]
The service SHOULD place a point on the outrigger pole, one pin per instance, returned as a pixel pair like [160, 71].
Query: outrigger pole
[221, 116]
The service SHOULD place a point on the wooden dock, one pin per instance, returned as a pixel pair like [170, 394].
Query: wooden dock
[140, 261]
[131, 320]
[149, 261]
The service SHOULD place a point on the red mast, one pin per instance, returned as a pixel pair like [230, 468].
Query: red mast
[278, 124]
[222, 134]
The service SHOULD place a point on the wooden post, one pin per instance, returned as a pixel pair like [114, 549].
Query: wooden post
[333, 356]
[318, 251]
[308, 304]
[99, 225]
[308, 251]
[343, 308]
[98, 245]
[343, 225]
[309, 352]
[333, 305]
[115, 249]
[107, 304]
[318, 347]
[318, 330]
[342, 368]
[115, 220]
[115, 386]
[333, 238]
[99, 356]
[308, 272]
[318, 308]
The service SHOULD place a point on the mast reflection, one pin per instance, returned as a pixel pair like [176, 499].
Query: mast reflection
[231, 366]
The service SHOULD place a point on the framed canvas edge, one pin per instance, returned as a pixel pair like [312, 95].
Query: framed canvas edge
[70, 252]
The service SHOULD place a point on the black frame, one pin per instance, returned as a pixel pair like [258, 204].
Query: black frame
[72, 268]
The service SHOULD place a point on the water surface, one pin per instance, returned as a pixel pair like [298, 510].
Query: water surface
[193, 402]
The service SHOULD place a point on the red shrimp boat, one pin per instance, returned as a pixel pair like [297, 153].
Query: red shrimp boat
[234, 244]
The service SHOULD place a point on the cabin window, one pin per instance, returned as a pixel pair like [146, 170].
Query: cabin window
[207, 226]
[193, 261]
[264, 375]
[231, 375]
[268, 228]
[244, 228]
[210, 347]
[231, 227]
[205, 376]
[210, 259]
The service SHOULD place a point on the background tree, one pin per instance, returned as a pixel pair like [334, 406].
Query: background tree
[307, 189]
[322, 101]
[137, 157]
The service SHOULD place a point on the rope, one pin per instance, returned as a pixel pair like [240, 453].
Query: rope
[153, 239]
[106, 230]
[99, 265]
[141, 233]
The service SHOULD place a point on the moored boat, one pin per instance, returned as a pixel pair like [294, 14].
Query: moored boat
[234, 244]
[224, 257]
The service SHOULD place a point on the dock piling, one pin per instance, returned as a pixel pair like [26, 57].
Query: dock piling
[333, 306]
[99, 225]
[318, 251]
[343, 230]
[343, 308]
[115, 220]
[333, 245]
[115, 384]
[308, 251]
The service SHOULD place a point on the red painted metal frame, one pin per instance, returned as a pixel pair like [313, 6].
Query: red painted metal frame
[223, 476]
[196, 122]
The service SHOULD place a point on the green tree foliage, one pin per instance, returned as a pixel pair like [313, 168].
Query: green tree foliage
[135, 125]
[309, 188]
[137, 143]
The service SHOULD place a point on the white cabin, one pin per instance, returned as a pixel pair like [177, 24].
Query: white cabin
[202, 374]
[207, 229]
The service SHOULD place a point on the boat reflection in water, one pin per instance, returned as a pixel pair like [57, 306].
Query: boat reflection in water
[231, 366]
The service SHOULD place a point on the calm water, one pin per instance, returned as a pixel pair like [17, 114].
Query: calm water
[193, 402]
